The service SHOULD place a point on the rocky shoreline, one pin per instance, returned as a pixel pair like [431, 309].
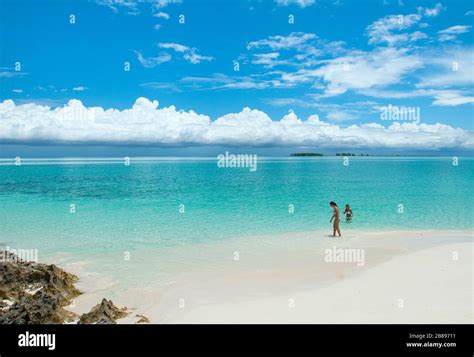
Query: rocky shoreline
[37, 293]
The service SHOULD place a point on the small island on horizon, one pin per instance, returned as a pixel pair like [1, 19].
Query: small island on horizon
[311, 154]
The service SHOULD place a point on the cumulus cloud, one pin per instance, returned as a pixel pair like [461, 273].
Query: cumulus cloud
[145, 123]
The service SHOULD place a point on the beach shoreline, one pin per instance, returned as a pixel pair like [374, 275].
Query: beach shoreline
[288, 279]
[384, 294]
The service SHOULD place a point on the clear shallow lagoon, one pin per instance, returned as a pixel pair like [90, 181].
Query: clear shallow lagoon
[132, 207]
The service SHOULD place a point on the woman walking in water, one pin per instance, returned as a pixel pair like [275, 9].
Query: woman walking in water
[336, 218]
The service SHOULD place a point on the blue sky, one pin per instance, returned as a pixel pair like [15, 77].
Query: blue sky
[340, 62]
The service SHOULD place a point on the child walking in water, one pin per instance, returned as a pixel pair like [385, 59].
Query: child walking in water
[336, 218]
[348, 213]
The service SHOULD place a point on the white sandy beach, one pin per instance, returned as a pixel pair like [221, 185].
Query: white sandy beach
[406, 277]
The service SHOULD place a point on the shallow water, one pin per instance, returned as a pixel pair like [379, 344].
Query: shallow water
[119, 207]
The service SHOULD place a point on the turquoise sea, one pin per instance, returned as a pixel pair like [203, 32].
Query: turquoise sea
[140, 206]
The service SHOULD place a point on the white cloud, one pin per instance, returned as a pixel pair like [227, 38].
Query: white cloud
[190, 54]
[162, 15]
[196, 58]
[268, 60]
[220, 81]
[286, 102]
[417, 35]
[300, 3]
[132, 6]
[17, 90]
[79, 88]
[452, 32]
[340, 116]
[11, 74]
[432, 12]
[451, 98]
[455, 29]
[174, 46]
[361, 70]
[333, 111]
[297, 49]
[160, 4]
[294, 40]
[145, 123]
[161, 86]
[451, 68]
[157, 27]
[356, 70]
[383, 30]
[442, 97]
[151, 62]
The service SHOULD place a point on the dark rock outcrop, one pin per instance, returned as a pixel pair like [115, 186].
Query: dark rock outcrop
[18, 276]
[142, 320]
[38, 292]
[39, 308]
[104, 313]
